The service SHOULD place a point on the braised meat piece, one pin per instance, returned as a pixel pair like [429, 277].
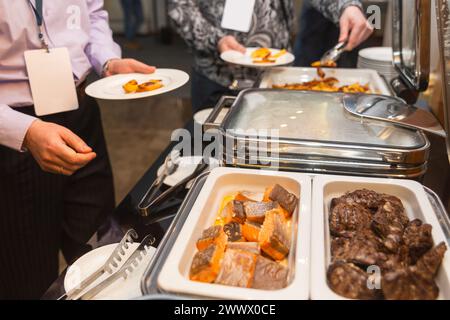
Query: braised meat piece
[406, 285]
[366, 198]
[212, 235]
[233, 230]
[349, 281]
[362, 250]
[269, 275]
[286, 199]
[274, 237]
[417, 237]
[428, 265]
[389, 223]
[234, 211]
[237, 268]
[256, 211]
[347, 219]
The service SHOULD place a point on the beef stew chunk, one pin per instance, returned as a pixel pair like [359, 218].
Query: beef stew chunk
[369, 228]
[347, 219]
[349, 281]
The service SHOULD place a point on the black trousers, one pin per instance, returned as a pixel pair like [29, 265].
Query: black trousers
[41, 213]
[316, 36]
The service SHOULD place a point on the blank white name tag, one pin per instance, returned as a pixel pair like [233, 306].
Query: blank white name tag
[51, 81]
[237, 15]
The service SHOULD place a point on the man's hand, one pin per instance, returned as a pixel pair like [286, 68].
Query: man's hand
[57, 149]
[228, 43]
[120, 66]
[354, 27]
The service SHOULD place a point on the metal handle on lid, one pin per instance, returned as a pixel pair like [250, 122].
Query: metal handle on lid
[210, 123]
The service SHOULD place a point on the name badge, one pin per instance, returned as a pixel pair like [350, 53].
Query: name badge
[237, 15]
[51, 81]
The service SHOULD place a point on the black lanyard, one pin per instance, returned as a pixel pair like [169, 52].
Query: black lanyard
[40, 21]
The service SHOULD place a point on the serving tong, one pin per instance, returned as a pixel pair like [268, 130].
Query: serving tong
[171, 164]
[128, 267]
[109, 266]
[146, 205]
[333, 54]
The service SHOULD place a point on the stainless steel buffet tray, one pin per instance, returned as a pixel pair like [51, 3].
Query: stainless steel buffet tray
[149, 282]
[312, 132]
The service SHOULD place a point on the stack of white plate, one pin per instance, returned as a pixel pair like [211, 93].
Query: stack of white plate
[378, 59]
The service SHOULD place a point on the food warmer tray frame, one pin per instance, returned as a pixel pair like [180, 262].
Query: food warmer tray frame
[323, 157]
[149, 281]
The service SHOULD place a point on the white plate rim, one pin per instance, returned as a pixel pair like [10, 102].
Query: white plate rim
[179, 78]
[288, 59]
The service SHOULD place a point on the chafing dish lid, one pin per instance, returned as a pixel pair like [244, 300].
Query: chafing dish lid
[312, 116]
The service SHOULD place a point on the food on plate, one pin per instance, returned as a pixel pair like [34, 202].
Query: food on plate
[251, 230]
[326, 84]
[237, 268]
[269, 275]
[212, 235]
[250, 242]
[150, 86]
[206, 264]
[372, 229]
[133, 86]
[274, 237]
[326, 64]
[265, 55]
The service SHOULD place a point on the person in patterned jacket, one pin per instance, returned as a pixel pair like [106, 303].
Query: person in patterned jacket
[322, 23]
[199, 23]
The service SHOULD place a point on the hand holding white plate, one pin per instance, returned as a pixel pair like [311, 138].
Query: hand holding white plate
[111, 88]
[246, 59]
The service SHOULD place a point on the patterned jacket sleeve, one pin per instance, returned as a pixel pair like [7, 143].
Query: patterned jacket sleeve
[193, 27]
[332, 9]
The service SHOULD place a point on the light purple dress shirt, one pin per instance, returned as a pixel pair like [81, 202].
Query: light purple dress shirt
[80, 25]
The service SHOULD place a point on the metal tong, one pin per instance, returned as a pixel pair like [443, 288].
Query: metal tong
[112, 263]
[145, 205]
[333, 54]
[130, 265]
[169, 167]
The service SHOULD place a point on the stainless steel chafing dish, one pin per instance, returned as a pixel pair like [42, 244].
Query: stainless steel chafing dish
[314, 133]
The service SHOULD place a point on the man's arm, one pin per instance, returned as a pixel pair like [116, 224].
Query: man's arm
[333, 9]
[101, 46]
[192, 26]
[13, 127]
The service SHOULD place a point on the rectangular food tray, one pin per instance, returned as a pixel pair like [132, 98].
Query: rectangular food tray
[325, 188]
[174, 276]
[288, 75]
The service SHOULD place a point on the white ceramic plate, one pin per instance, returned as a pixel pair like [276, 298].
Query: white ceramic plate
[121, 289]
[110, 88]
[246, 60]
[186, 167]
[383, 54]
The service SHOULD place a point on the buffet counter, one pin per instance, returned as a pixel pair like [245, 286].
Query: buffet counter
[128, 216]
